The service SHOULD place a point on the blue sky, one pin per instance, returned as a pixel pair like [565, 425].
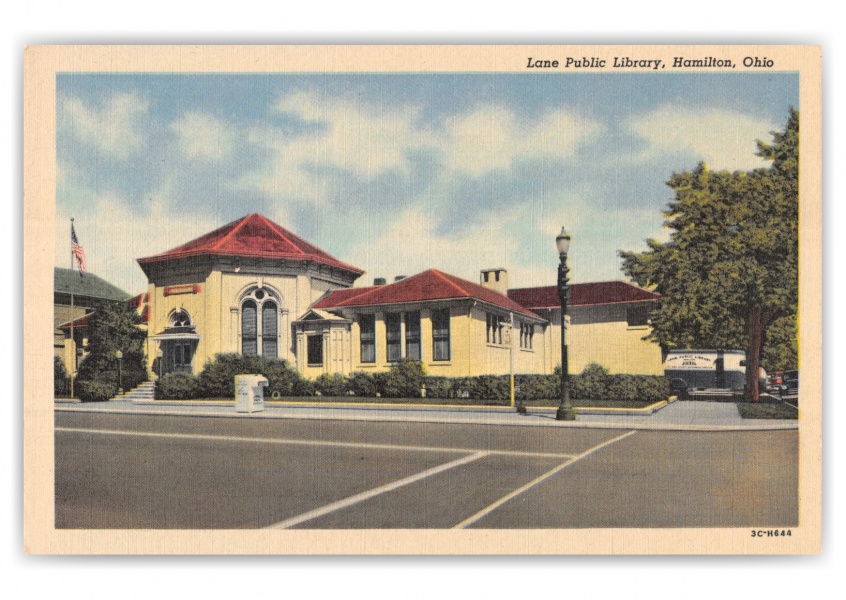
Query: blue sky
[397, 173]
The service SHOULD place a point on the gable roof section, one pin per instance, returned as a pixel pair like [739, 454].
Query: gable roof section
[423, 287]
[583, 294]
[253, 236]
[69, 281]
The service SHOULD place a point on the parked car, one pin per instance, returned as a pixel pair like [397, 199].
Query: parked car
[791, 383]
[775, 382]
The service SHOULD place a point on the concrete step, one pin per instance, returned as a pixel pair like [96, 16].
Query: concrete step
[145, 391]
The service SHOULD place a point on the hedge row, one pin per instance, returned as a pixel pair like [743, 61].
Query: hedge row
[408, 379]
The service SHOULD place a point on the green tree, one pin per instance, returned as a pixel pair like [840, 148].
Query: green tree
[114, 327]
[730, 269]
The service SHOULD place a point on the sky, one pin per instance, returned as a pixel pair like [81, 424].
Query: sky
[398, 173]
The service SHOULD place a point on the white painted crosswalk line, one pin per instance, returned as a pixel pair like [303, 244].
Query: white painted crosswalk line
[486, 511]
[329, 508]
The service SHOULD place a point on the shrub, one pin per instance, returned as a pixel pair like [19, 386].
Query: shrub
[537, 387]
[95, 391]
[363, 384]
[178, 386]
[305, 387]
[439, 387]
[490, 387]
[404, 380]
[61, 380]
[591, 384]
[217, 379]
[332, 385]
[281, 377]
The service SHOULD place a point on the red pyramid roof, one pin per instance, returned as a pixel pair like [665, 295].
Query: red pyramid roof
[425, 286]
[253, 236]
[582, 294]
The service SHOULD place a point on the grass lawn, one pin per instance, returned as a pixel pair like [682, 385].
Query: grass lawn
[455, 402]
[749, 410]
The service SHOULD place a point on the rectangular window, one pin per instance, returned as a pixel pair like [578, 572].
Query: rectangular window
[367, 325]
[494, 329]
[393, 335]
[315, 350]
[637, 316]
[440, 334]
[527, 332]
[412, 335]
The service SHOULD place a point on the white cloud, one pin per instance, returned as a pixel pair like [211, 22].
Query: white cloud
[353, 136]
[723, 139]
[114, 237]
[204, 137]
[491, 138]
[368, 141]
[409, 245]
[116, 128]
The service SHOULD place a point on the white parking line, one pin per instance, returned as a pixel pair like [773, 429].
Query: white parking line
[329, 508]
[534, 482]
[295, 442]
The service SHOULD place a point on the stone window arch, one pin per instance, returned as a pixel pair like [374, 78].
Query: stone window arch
[180, 318]
[260, 309]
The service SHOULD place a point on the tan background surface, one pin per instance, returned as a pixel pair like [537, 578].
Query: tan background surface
[41, 65]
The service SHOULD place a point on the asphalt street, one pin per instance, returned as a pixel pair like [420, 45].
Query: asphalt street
[182, 472]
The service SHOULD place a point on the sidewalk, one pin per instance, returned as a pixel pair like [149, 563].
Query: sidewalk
[679, 415]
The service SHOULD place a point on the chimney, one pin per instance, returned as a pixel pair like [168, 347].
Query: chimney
[495, 279]
[379, 281]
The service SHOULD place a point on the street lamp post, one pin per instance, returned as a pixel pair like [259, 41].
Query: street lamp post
[119, 356]
[565, 409]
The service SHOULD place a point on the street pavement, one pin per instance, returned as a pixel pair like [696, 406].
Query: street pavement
[164, 466]
[678, 415]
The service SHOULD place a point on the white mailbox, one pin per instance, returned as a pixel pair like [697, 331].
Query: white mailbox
[249, 393]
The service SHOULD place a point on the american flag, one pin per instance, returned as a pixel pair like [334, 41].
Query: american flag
[78, 252]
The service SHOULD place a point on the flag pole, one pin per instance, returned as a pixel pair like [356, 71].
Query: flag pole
[72, 338]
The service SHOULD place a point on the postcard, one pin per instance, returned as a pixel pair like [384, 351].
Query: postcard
[422, 300]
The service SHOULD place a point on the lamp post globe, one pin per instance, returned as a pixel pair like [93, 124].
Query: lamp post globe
[565, 410]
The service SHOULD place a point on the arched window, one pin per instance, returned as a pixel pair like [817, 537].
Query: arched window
[249, 329]
[180, 318]
[268, 330]
[260, 323]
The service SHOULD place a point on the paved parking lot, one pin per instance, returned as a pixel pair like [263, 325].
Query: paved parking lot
[185, 472]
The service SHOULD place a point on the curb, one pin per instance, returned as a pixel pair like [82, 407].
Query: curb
[499, 419]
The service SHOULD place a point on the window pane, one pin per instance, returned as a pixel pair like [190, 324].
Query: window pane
[249, 322]
[268, 330]
[637, 316]
[412, 335]
[367, 324]
[315, 350]
[440, 334]
[393, 326]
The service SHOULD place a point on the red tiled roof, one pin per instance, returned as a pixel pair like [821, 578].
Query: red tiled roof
[426, 286]
[582, 294]
[141, 304]
[252, 236]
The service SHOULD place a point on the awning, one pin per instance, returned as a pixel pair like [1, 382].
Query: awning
[171, 335]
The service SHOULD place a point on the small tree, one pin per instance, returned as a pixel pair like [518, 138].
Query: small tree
[61, 379]
[114, 327]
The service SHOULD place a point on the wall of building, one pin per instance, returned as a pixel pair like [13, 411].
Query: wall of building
[601, 334]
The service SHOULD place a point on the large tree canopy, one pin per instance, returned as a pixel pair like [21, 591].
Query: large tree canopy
[729, 274]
